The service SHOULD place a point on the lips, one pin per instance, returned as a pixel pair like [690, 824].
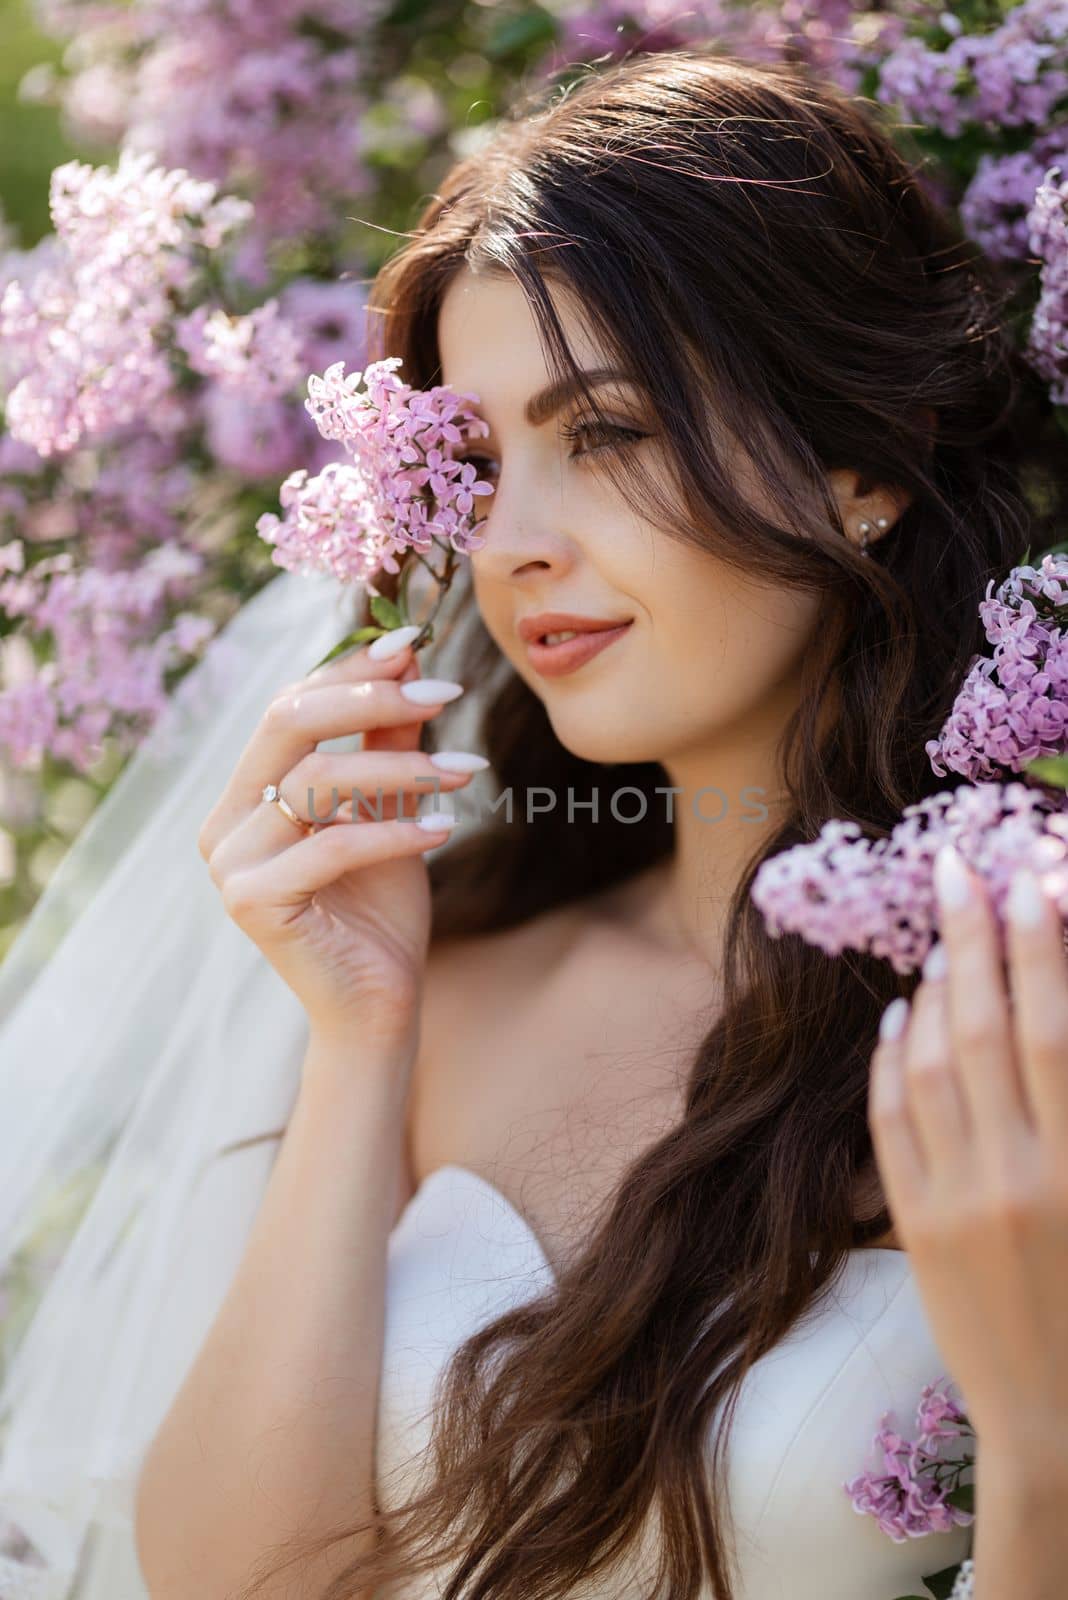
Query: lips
[535, 628]
[554, 660]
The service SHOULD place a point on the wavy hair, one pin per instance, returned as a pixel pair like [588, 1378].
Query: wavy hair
[751, 244]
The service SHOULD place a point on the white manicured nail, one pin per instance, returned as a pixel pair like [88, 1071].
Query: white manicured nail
[951, 879]
[392, 643]
[430, 691]
[434, 821]
[458, 761]
[894, 1018]
[1025, 902]
[936, 964]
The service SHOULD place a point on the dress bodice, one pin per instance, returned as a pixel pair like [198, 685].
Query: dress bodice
[460, 1254]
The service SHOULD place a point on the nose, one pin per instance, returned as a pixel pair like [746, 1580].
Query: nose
[522, 549]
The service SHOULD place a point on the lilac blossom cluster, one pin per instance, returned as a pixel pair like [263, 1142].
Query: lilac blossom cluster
[121, 363]
[912, 1494]
[114, 641]
[84, 332]
[402, 488]
[1010, 76]
[835, 36]
[847, 892]
[270, 100]
[1013, 705]
[1048, 236]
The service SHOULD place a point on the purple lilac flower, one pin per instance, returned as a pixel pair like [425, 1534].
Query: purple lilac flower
[329, 319]
[257, 354]
[996, 205]
[1048, 233]
[402, 488]
[1013, 706]
[1014, 75]
[908, 1497]
[265, 99]
[85, 350]
[846, 892]
[114, 636]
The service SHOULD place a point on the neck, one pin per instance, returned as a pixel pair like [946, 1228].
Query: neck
[732, 801]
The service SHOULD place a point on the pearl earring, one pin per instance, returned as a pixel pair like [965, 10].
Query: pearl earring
[864, 529]
[882, 523]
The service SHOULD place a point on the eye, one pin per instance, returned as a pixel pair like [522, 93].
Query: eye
[612, 435]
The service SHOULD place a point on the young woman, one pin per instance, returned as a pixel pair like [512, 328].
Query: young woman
[575, 1274]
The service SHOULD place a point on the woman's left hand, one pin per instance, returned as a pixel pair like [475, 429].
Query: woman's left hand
[968, 1108]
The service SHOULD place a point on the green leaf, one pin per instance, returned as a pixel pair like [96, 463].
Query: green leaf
[1049, 769]
[963, 1497]
[349, 642]
[385, 612]
[941, 1583]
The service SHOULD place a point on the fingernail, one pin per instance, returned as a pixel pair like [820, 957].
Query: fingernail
[434, 821]
[951, 879]
[892, 1023]
[1025, 901]
[392, 643]
[458, 761]
[430, 691]
[936, 964]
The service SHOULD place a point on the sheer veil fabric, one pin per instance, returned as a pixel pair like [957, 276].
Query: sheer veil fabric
[143, 1040]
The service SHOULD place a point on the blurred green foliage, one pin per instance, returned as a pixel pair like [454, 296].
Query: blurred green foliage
[31, 140]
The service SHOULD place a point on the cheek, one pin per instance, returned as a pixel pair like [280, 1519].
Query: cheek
[748, 634]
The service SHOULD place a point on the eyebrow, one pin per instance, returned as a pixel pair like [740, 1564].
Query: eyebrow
[547, 402]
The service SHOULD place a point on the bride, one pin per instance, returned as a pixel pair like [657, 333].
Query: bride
[602, 1228]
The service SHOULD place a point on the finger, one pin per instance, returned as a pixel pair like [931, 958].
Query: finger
[979, 1021]
[894, 1138]
[399, 738]
[392, 648]
[370, 780]
[294, 724]
[290, 878]
[378, 779]
[1038, 975]
[932, 1075]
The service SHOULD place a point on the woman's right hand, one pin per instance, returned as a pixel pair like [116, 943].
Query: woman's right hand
[342, 913]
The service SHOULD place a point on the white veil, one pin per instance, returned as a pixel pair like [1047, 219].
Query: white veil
[141, 1033]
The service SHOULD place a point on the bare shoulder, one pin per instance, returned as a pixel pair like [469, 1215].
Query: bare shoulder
[471, 985]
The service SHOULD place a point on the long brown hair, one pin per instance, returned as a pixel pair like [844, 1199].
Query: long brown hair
[751, 245]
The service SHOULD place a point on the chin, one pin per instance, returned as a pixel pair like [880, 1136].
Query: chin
[602, 738]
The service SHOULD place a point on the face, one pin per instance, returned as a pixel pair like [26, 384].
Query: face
[708, 656]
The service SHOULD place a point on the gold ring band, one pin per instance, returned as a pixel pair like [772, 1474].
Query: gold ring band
[272, 793]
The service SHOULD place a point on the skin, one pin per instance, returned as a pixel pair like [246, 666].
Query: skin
[706, 678]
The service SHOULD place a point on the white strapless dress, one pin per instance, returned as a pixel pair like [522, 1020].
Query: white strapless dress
[460, 1254]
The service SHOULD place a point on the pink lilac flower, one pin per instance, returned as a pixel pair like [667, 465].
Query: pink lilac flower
[1048, 232]
[834, 36]
[996, 205]
[254, 437]
[909, 1496]
[403, 487]
[86, 333]
[1014, 75]
[843, 891]
[329, 319]
[257, 354]
[1013, 706]
[269, 100]
[114, 638]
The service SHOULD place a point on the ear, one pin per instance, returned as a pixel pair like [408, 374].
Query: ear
[859, 501]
